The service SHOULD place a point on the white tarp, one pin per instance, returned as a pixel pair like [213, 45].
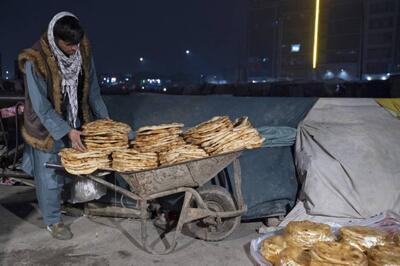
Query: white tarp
[348, 158]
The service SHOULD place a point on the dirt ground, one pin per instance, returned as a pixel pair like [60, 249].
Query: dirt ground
[102, 240]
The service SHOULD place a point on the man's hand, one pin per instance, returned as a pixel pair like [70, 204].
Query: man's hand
[75, 137]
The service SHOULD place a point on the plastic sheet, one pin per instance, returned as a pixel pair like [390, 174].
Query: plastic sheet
[83, 190]
[363, 238]
[387, 222]
[305, 233]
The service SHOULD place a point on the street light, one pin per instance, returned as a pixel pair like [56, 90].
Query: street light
[141, 59]
[315, 44]
[187, 52]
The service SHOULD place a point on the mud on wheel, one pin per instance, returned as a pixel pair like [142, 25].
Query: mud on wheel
[214, 228]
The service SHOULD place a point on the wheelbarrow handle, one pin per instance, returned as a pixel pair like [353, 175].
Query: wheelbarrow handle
[53, 165]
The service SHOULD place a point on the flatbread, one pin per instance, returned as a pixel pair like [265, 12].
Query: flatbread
[305, 234]
[272, 246]
[161, 126]
[396, 238]
[294, 256]
[335, 253]
[205, 126]
[363, 237]
[107, 124]
[384, 255]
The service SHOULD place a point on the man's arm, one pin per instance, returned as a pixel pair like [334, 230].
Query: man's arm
[95, 100]
[50, 119]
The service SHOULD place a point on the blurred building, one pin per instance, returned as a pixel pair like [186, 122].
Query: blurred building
[340, 39]
[356, 39]
[262, 39]
[381, 37]
[1, 67]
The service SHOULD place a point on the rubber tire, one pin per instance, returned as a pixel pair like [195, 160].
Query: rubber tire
[216, 197]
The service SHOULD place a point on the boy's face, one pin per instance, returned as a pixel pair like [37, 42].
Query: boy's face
[67, 48]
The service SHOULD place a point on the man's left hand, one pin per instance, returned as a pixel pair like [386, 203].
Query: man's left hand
[75, 137]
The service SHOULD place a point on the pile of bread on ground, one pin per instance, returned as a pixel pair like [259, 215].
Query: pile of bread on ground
[307, 243]
[157, 145]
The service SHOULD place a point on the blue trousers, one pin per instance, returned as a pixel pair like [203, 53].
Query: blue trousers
[49, 183]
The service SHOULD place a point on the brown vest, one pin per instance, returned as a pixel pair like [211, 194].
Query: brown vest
[45, 65]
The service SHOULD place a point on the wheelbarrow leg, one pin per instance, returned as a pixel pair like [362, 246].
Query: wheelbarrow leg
[237, 175]
[178, 230]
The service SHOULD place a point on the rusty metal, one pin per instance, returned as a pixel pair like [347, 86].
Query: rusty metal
[190, 174]
[152, 184]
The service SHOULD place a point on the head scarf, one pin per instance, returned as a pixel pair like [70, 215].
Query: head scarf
[70, 67]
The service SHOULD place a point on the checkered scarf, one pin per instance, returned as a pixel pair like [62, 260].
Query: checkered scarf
[70, 67]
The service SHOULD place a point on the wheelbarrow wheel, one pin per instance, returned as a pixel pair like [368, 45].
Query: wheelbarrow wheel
[213, 228]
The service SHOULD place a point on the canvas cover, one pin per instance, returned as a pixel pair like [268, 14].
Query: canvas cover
[348, 158]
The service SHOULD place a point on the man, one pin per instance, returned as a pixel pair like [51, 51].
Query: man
[61, 93]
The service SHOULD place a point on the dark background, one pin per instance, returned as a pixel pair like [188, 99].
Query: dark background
[123, 31]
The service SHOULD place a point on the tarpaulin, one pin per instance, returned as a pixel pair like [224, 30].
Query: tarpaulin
[392, 104]
[348, 158]
[278, 136]
[269, 181]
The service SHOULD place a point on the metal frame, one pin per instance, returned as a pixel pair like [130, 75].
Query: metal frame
[199, 171]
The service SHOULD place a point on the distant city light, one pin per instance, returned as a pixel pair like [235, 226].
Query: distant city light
[384, 78]
[6, 77]
[369, 78]
[388, 74]
[329, 74]
[142, 88]
[126, 79]
[343, 74]
[295, 48]
[113, 79]
[104, 79]
[7, 72]
[187, 51]
[264, 59]
[165, 89]
[141, 59]
[151, 81]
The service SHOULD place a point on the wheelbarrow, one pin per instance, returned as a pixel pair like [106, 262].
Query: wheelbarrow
[209, 212]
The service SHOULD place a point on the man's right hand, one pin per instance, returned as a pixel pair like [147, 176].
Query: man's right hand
[75, 137]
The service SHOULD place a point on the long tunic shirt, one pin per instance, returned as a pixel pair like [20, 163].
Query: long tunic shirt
[48, 182]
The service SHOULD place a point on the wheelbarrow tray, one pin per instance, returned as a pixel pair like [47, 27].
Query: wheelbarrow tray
[193, 173]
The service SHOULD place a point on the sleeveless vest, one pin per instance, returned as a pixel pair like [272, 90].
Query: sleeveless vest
[45, 65]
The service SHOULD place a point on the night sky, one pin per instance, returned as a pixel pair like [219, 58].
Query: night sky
[123, 31]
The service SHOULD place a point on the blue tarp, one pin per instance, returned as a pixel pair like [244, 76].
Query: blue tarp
[268, 175]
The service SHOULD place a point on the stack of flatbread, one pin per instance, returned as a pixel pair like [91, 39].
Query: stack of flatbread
[335, 253]
[220, 135]
[363, 237]
[158, 138]
[207, 131]
[130, 160]
[384, 256]
[306, 243]
[181, 153]
[305, 234]
[243, 136]
[79, 163]
[106, 135]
